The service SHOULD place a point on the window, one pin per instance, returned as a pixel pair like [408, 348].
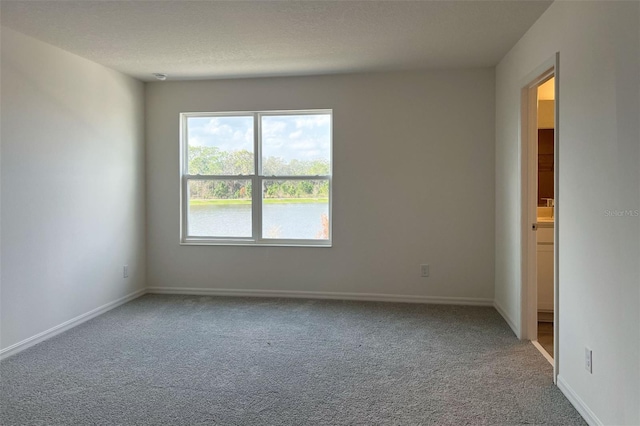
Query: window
[256, 178]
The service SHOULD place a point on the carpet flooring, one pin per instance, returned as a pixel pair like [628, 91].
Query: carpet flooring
[190, 360]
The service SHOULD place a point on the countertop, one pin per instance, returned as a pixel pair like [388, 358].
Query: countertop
[546, 222]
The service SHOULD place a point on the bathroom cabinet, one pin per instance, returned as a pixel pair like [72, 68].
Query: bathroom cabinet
[545, 267]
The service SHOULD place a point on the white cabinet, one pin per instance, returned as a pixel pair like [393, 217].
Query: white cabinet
[545, 268]
[544, 234]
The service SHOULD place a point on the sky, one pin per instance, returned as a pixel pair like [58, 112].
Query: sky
[303, 137]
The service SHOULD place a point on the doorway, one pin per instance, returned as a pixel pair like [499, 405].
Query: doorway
[545, 217]
[540, 218]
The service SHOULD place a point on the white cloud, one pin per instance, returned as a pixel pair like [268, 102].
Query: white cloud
[226, 133]
[305, 137]
[311, 121]
[195, 140]
[271, 127]
[306, 144]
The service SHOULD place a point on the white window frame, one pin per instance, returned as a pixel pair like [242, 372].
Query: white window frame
[256, 183]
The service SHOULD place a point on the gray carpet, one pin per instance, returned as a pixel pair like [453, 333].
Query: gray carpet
[189, 360]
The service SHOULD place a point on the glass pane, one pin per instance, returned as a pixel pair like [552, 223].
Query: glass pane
[220, 145]
[295, 209]
[219, 208]
[296, 145]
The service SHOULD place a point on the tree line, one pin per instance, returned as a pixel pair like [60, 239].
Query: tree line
[208, 160]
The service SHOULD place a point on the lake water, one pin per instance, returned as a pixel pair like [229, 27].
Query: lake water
[290, 220]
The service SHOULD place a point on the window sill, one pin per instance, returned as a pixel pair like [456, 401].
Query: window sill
[254, 244]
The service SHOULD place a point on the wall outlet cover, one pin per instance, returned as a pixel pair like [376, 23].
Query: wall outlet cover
[424, 270]
[588, 360]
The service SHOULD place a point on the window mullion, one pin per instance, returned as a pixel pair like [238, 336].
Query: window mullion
[256, 183]
[218, 177]
[184, 212]
[297, 177]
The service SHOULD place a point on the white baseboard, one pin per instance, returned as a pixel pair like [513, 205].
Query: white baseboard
[31, 341]
[545, 316]
[545, 307]
[506, 317]
[578, 403]
[34, 340]
[370, 297]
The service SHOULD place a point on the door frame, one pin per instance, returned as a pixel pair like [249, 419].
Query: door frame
[529, 191]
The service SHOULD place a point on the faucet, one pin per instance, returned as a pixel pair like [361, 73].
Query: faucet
[551, 203]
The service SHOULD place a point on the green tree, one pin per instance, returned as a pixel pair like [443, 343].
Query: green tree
[206, 160]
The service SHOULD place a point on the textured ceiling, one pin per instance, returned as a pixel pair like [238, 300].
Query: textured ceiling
[214, 39]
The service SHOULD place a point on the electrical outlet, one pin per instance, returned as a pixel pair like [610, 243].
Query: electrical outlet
[424, 270]
[125, 271]
[588, 360]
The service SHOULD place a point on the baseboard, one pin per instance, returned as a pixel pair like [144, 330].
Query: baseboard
[578, 403]
[506, 317]
[373, 297]
[40, 337]
[545, 315]
[545, 307]
[370, 297]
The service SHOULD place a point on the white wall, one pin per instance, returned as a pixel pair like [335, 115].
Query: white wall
[413, 183]
[72, 186]
[599, 155]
